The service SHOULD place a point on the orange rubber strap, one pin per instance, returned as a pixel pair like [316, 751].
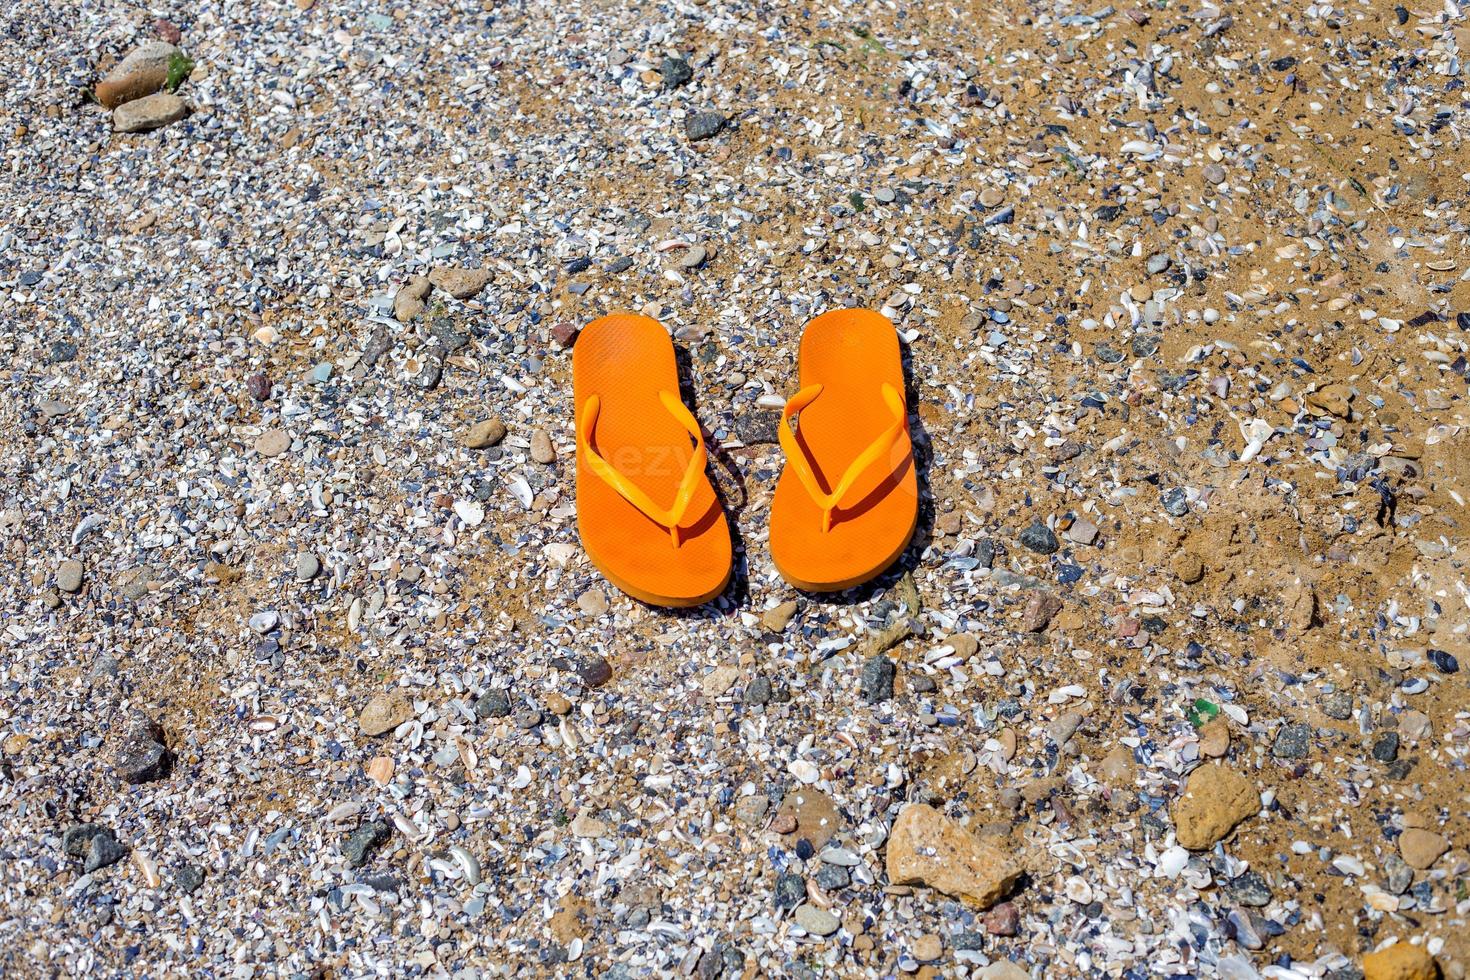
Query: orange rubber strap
[875, 451]
[630, 492]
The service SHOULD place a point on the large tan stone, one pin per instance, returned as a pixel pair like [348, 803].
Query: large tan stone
[1401, 961]
[1215, 799]
[928, 848]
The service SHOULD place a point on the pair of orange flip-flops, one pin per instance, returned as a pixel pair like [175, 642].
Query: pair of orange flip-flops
[845, 506]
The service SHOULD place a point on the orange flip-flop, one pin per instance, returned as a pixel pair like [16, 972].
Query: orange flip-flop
[646, 511]
[848, 501]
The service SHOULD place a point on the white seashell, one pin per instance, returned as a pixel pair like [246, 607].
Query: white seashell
[804, 770]
[470, 511]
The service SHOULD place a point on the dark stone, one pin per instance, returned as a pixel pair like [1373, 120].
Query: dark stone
[1386, 747]
[790, 890]
[756, 426]
[703, 125]
[620, 264]
[758, 691]
[189, 878]
[442, 329]
[1283, 64]
[984, 552]
[923, 684]
[1401, 14]
[143, 756]
[876, 679]
[1462, 320]
[103, 850]
[831, 877]
[76, 838]
[1176, 504]
[62, 351]
[1249, 889]
[364, 840]
[258, 386]
[578, 265]
[527, 718]
[492, 704]
[1292, 742]
[594, 671]
[1399, 876]
[969, 939]
[676, 72]
[1338, 705]
[1039, 538]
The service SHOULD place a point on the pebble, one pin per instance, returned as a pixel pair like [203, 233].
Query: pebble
[1292, 742]
[363, 841]
[1041, 607]
[541, 449]
[273, 442]
[1188, 568]
[103, 850]
[1039, 538]
[462, 284]
[928, 948]
[1003, 920]
[308, 566]
[676, 72]
[876, 680]
[777, 618]
[143, 755]
[485, 433]
[703, 125]
[410, 301]
[817, 921]
[148, 113]
[69, 575]
[1421, 848]
[385, 712]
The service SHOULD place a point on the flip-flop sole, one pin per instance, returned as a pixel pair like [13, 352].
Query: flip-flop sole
[626, 360]
[851, 353]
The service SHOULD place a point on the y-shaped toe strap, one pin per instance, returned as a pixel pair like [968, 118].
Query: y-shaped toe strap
[879, 448]
[671, 517]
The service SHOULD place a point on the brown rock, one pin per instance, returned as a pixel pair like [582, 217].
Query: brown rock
[460, 283]
[485, 433]
[777, 619]
[143, 72]
[816, 815]
[542, 451]
[1421, 848]
[1039, 611]
[1331, 399]
[148, 113]
[1401, 961]
[1214, 738]
[408, 302]
[928, 848]
[385, 712]
[1214, 801]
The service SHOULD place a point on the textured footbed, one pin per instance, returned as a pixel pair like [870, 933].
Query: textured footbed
[851, 353]
[626, 360]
